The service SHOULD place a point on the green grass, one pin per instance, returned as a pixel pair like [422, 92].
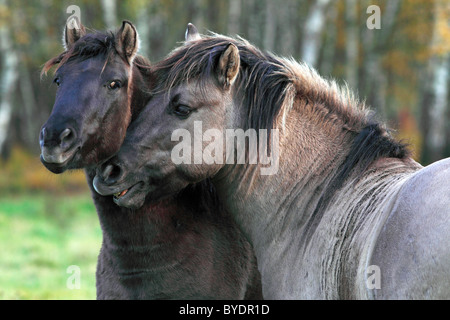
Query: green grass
[40, 237]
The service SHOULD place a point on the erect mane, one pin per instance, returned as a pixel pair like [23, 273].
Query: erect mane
[261, 75]
[88, 46]
[93, 44]
[271, 86]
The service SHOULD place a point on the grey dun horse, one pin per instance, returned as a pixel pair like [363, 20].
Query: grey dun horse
[347, 200]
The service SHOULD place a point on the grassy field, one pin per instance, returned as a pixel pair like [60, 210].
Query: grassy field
[41, 235]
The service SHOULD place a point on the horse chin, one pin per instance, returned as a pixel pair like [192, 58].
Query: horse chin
[143, 194]
[132, 201]
[57, 168]
[72, 162]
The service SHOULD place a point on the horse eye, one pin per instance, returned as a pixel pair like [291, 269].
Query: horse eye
[57, 81]
[116, 84]
[182, 111]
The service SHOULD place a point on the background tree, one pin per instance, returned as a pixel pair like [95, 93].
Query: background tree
[8, 76]
[401, 69]
[435, 106]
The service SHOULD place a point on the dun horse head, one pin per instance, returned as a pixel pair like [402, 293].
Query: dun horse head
[182, 98]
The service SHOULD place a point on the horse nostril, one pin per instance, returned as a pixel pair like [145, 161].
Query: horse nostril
[66, 133]
[66, 137]
[107, 171]
[111, 173]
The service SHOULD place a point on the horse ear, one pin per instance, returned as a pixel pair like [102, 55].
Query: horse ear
[191, 33]
[228, 66]
[73, 30]
[127, 41]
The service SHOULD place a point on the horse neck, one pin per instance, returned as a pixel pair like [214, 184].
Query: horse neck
[276, 211]
[146, 238]
[139, 90]
[302, 173]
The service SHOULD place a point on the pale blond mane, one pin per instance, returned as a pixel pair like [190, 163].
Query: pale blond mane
[331, 102]
[276, 84]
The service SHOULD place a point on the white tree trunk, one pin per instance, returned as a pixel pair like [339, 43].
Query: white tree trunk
[109, 12]
[8, 79]
[312, 32]
[439, 70]
[438, 109]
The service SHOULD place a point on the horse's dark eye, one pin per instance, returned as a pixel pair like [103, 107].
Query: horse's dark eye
[57, 81]
[182, 111]
[116, 84]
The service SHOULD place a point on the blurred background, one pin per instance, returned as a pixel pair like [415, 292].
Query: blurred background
[399, 64]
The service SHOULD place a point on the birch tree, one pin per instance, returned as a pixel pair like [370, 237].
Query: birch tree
[312, 32]
[109, 13]
[436, 105]
[8, 79]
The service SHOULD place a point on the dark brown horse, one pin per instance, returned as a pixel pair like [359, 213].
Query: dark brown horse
[342, 211]
[184, 247]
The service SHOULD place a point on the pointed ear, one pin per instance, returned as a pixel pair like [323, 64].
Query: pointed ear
[73, 30]
[127, 41]
[228, 66]
[191, 33]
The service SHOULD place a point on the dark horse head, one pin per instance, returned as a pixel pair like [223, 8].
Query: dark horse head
[102, 83]
[93, 104]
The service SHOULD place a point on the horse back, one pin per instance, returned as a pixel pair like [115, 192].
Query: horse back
[413, 248]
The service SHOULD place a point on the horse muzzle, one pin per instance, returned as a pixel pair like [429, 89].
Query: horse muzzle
[58, 147]
[131, 197]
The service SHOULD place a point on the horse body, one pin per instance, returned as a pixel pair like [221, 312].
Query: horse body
[412, 248]
[333, 207]
[183, 247]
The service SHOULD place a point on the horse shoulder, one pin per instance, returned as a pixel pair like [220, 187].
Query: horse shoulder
[413, 247]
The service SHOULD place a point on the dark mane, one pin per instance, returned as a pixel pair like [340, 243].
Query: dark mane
[91, 45]
[269, 83]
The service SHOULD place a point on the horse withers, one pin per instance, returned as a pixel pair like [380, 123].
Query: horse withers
[183, 247]
[347, 200]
